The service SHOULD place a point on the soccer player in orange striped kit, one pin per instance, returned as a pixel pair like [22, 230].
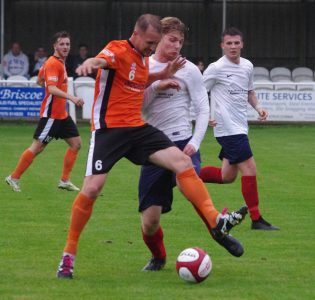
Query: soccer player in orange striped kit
[118, 131]
[54, 119]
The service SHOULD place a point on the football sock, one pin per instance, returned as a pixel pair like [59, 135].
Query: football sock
[211, 174]
[250, 194]
[155, 243]
[25, 161]
[80, 214]
[195, 191]
[68, 163]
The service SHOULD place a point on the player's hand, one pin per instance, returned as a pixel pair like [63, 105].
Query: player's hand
[85, 69]
[40, 81]
[212, 123]
[78, 101]
[174, 65]
[189, 150]
[90, 65]
[167, 84]
[263, 114]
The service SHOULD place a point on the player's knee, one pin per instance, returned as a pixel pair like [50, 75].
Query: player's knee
[184, 163]
[149, 227]
[76, 147]
[92, 190]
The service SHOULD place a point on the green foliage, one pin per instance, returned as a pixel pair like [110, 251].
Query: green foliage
[276, 265]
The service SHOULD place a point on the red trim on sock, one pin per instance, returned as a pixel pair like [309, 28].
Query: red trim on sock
[250, 194]
[155, 243]
[211, 174]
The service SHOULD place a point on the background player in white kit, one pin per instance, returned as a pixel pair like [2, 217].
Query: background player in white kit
[166, 106]
[230, 80]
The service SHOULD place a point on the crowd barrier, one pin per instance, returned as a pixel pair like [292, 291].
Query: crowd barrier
[285, 101]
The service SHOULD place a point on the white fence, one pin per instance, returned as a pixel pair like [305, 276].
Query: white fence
[285, 101]
[82, 86]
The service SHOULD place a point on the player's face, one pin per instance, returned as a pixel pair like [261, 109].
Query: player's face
[171, 44]
[232, 46]
[146, 42]
[62, 47]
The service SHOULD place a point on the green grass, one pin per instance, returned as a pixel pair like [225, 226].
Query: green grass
[276, 265]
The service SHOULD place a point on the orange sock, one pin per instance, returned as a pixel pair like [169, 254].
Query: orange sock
[68, 163]
[25, 161]
[195, 191]
[80, 214]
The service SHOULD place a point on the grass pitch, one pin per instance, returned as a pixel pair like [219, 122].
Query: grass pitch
[276, 265]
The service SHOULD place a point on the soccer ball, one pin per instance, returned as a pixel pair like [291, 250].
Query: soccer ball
[193, 265]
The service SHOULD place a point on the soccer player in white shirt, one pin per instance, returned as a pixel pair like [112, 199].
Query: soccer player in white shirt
[167, 107]
[230, 80]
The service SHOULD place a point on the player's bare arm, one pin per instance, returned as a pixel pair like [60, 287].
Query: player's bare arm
[59, 93]
[90, 65]
[253, 101]
[171, 68]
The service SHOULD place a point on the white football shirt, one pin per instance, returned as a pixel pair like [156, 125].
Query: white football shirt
[169, 110]
[229, 84]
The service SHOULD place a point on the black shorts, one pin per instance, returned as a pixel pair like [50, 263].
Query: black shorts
[48, 129]
[156, 183]
[235, 148]
[109, 145]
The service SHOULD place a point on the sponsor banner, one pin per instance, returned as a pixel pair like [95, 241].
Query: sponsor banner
[20, 102]
[287, 106]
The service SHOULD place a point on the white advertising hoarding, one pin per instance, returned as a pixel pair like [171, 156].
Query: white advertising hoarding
[286, 106]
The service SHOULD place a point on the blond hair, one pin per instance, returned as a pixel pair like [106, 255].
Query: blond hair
[170, 24]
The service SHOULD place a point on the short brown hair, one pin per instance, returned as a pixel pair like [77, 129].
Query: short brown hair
[58, 35]
[232, 31]
[173, 24]
[145, 20]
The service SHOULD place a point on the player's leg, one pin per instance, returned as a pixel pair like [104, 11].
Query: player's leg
[101, 159]
[250, 194]
[155, 147]
[80, 214]
[227, 173]
[155, 197]
[69, 132]
[68, 163]
[194, 190]
[23, 164]
[44, 133]
[152, 234]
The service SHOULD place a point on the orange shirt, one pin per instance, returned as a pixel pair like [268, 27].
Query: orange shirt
[54, 73]
[119, 89]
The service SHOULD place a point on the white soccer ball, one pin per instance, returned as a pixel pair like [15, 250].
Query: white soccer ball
[193, 265]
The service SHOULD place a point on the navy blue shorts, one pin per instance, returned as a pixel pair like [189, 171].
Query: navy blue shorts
[48, 129]
[235, 148]
[156, 183]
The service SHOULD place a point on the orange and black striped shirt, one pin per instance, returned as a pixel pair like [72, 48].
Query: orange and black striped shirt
[119, 88]
[54, 73]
